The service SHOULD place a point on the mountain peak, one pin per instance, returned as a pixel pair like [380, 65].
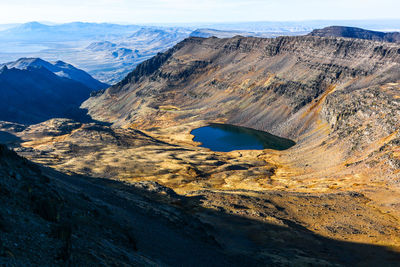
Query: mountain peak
[31, 60]
[25, 62]
[3, 69]
[60, 63]
[34, 25]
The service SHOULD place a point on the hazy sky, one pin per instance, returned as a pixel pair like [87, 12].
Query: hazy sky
[169, 11]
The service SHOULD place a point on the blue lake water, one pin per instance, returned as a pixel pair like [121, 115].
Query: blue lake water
[225, 138]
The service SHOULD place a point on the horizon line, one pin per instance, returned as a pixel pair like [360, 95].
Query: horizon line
[51, 23]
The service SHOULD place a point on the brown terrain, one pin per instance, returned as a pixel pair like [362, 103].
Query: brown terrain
[332, 199]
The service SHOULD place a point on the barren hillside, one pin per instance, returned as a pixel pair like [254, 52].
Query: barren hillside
[334, 197]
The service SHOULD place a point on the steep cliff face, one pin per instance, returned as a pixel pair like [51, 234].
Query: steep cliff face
[268, 84]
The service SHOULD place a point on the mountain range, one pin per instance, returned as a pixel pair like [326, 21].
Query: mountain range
[71, 42]
[75, 43]
[284, 63]
[35, 31]
[34, 90]
[206, 33]
[59, 68]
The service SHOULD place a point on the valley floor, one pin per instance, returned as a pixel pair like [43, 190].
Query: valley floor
[293, 207]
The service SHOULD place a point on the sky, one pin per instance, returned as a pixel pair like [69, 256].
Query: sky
[194, 11]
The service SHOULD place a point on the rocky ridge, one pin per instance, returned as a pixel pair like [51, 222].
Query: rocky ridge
[352, 32]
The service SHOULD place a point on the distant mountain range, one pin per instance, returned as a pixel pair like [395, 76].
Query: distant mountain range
[70, 31]
[300, 27]
[33, 90]
[357, 33]
[163, 36]
[119, 53]
[206, 33]
[109, 52]
[120, 56]
[101, 46]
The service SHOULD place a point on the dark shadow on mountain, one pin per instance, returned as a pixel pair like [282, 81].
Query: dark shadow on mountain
[81, 115]
[33, 95]
[9, 139]
[95, 221]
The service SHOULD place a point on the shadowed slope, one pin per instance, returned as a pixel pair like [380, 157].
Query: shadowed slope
[59, 68]
[36, 94]
[77, 220]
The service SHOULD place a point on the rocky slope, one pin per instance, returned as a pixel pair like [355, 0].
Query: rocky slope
[295, 87]
[50, 219]
[352, 32]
